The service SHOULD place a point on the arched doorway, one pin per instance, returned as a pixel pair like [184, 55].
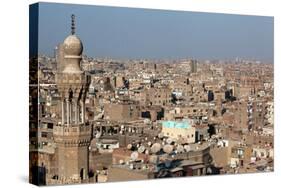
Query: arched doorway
[82, 173]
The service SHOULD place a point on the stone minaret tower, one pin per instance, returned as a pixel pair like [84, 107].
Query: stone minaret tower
[72, 135]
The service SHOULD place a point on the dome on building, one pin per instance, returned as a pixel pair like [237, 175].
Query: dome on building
[72, 49]
[73, 46]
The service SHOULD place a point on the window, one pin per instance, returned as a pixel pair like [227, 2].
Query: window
[50, 125]
[33, 126]
[33, 134]
[44, 125]
[44, 134]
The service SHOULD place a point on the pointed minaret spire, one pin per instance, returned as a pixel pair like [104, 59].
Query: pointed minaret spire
[72, 24]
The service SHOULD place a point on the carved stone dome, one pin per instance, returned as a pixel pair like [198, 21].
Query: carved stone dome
[73, 46]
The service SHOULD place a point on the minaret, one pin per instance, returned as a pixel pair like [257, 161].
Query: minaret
[72, 135]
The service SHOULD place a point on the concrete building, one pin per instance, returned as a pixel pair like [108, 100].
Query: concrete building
[179, 130]
[193, 66]
[158, 96]
[119, 81]
[123, 111]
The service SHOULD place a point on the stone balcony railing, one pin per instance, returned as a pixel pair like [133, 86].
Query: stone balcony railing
[72, 130]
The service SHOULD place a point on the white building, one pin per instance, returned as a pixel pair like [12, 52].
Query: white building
[179, 129]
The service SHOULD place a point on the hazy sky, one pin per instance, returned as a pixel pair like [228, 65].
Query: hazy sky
[144, 33]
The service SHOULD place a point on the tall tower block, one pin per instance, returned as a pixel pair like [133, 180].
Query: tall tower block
[72, 135]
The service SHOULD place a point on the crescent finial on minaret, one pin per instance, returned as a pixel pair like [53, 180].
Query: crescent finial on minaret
[72, 24]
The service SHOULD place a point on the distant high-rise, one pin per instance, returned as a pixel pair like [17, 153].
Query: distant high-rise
[60, 57]
[119, 81]
[193, 66]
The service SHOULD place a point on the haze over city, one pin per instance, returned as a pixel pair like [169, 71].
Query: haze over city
[129, 33]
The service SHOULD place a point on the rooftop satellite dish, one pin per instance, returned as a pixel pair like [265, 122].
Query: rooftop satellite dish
[145, 138]
[180, 149]
[160, 135]
[187, 148]
[134, 156]
[168, 163]
[153, 159]
[169, 140]
[144, 167]
[147, 152]
[129, 146]
[155, 147]
[168, 149]
[121, 161]
[149, 144]
[141, 149]
[98, 135]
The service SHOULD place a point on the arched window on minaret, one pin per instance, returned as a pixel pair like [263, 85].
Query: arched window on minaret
[70, 92]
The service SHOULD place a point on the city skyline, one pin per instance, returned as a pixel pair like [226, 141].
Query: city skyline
[133, 33]
[101, 120]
